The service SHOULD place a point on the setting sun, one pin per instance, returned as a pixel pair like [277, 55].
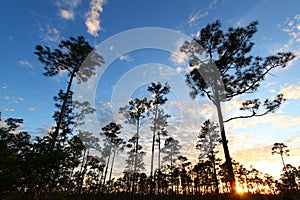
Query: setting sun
[240, 188]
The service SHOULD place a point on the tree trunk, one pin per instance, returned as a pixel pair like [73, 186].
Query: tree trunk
[282, 160]
[62, 111]
[159, 172]
[172, 180]
[136, 156]
[215, 173]
[152, 155]
[111, 168]
[100, 180]
[106, 169]
[224, 140]
[82, 174]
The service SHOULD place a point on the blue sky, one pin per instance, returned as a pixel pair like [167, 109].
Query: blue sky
[27, 94]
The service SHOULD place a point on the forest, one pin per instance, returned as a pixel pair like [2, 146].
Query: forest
[67, 163]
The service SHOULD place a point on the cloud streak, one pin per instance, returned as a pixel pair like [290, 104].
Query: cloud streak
[93, 22]
[25, 63]
[33, 108]
[197, 16]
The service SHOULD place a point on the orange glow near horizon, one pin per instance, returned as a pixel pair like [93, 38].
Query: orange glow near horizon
[239, 188]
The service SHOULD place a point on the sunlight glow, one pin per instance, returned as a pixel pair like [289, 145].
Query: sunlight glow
[239, 188]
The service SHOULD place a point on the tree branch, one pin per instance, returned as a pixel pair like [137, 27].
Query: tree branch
[248, 116]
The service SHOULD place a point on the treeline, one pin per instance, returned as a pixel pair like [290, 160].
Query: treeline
[28, 167]
[34, 168]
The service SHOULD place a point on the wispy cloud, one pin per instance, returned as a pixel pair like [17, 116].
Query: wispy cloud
[7, 108]
[49, 33]
[25, 63]
[93, 21]
[291, 91]
[292, 28]
[196, 16]
[4, 86]
[67, 7]
[12, 99]
[33, 108]
[213, 4]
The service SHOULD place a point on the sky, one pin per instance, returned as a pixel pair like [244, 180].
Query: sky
[113, 28]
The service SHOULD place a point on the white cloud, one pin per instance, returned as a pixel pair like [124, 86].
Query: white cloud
[25, 63]
[67, 7]
[291, 92]
[67, 14]
[179, 69]
[178, 57]
[277, 121]
[125, 58]
[93, 17]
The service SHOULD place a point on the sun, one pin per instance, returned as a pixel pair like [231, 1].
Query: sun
[239, 188]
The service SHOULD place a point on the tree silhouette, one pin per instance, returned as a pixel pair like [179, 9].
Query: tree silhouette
[110, 131]
[242, 174]
[134, 165]
[281, 149]
[114, 143]
[289, 178]
[76, 58]
[134, 112]
[171, 150]
[158, 119]
[208, 138]
[204, 177]
[237, 73]
[90, 142]
[185, 178]
[14, 147]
